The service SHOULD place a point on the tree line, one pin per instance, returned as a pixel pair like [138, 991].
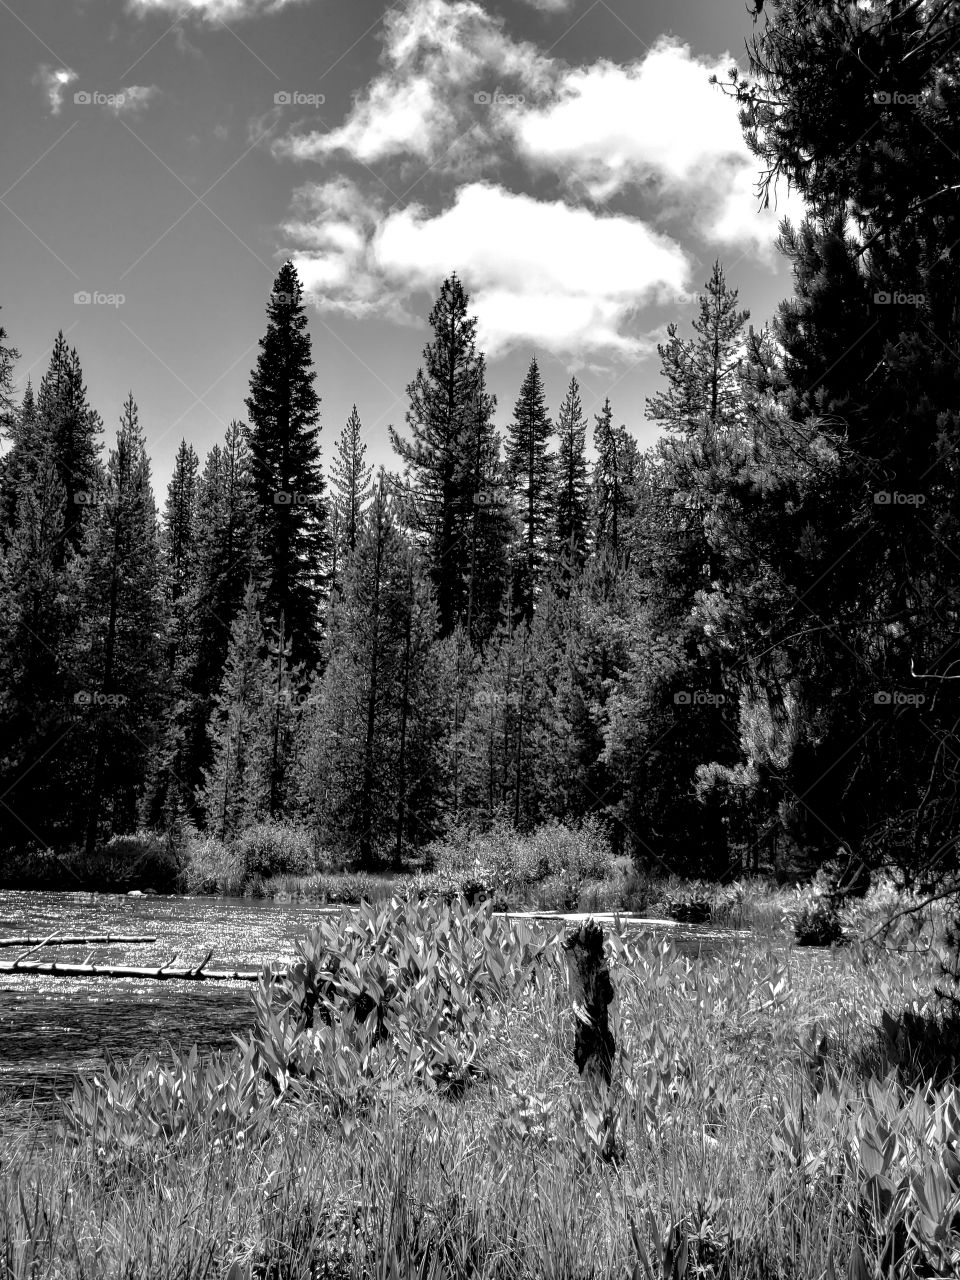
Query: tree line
[735, 647]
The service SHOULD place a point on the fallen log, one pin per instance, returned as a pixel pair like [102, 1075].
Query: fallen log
[88, 940]
[159, 973]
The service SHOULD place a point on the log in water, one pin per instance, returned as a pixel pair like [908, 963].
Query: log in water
[88, 940]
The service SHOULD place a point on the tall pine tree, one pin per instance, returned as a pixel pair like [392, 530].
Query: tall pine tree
[440, 459]
[530, 466]
[571, 495]
[288, 480]
[119, 662]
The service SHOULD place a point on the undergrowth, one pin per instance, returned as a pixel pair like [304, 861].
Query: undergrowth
[406, 1104]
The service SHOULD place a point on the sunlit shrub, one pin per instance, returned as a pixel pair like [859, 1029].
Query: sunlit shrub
[276, 848]
[212, 866]
[404, 991]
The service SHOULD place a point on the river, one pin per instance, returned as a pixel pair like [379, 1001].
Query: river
[51, 1028]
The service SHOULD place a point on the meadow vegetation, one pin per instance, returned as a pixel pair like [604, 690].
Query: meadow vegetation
[406, 1103]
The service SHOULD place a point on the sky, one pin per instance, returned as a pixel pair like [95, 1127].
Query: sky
[568, 159]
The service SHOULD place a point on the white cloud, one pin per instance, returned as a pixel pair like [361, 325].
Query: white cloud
[212, 10]
[54, 82]
[133, 99]
[559, 271]
[550, 6]
[657, 122]
[512, 252]
[437, 54]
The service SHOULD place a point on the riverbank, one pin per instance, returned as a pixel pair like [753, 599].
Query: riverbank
[767, 1118]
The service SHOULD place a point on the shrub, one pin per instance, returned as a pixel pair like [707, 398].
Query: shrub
[409, 991]
[508, 865]
[212, 866]
[351, 887]
[275, 849]
[816, 922]
[142, 860]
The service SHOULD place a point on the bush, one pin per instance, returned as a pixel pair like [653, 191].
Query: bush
[510, 866]
[351, 887]
[142, 860]
[212, 866]
[816, 922]
[276, 849]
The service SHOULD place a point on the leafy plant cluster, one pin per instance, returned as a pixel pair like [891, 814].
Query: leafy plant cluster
[407, 992]
[341, 1136]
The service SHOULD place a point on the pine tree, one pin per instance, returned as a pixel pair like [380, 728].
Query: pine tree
[287, 477]
[350, 480]
[704, 376]
[179, 526]
[119, 642]
[530, 466]
[169, 794]
[38, 618]
[8, 413]
[439, 461]
[571, 506]
[224, 559]
[491, 530]
[61, 425]
[371, 764]
[615, 473]
[236, 790]
[848, 592]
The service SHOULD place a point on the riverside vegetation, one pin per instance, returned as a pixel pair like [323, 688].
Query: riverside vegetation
[406, 1104]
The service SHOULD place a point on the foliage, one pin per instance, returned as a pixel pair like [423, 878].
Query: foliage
[213, 866]
[275, 848]
[815, 920]
[406, 991]
[739, 1083]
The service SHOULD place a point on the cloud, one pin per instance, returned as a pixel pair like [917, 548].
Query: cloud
[550, 6]
[212, 10]
[133, 99]
[436, 55]
[54, 83]
[659, 123]
[512, 252]
[473, 123]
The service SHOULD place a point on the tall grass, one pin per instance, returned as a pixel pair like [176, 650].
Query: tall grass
[407, 1105]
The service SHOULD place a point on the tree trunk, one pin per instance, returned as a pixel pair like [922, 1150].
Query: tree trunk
[592, 991]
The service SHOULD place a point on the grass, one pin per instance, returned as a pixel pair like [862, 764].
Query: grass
[764, 1121]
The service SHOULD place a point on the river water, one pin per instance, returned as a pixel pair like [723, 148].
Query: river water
[51, 1028]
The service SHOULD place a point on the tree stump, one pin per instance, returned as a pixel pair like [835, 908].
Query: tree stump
[592, 992]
